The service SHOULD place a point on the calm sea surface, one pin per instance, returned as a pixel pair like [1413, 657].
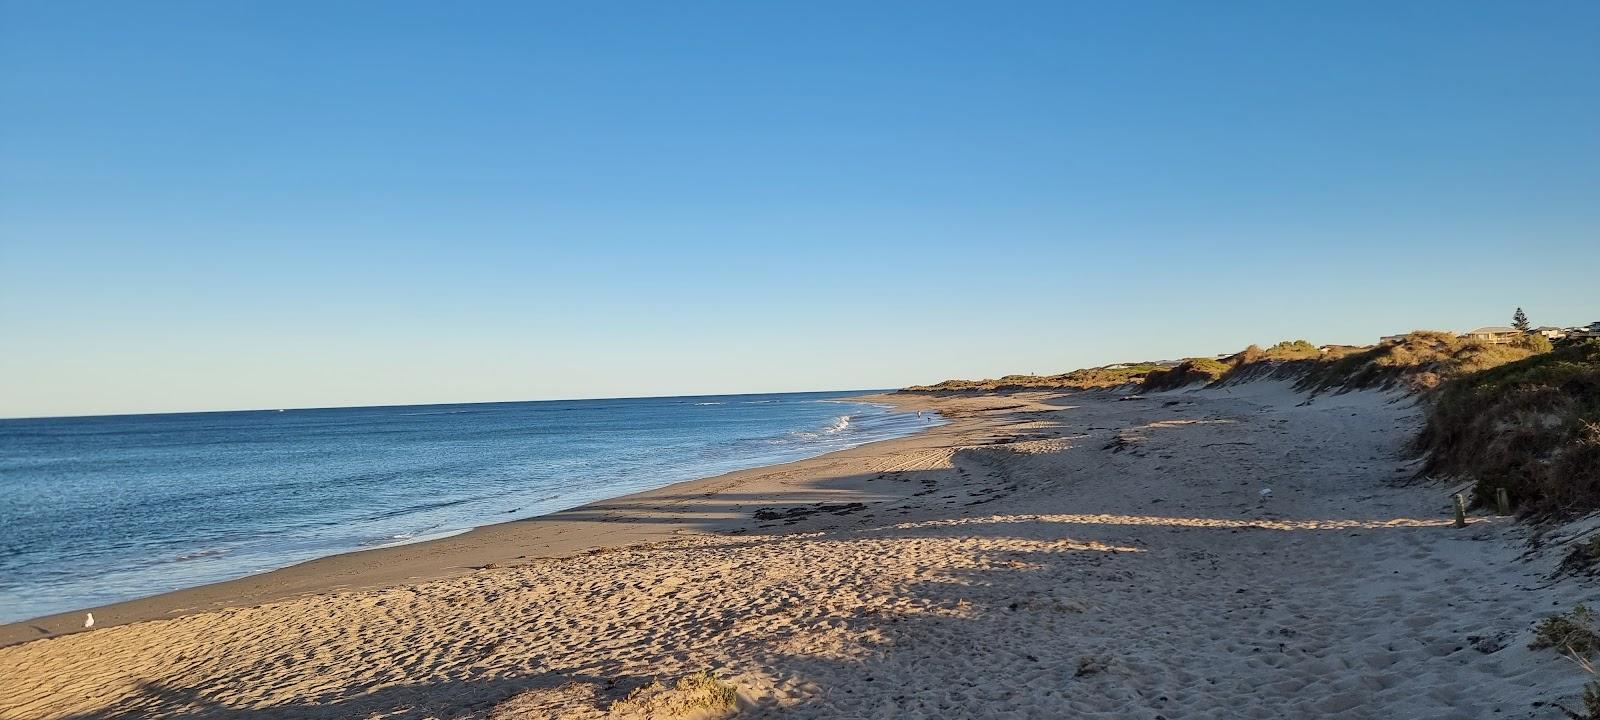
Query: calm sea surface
[101, 509]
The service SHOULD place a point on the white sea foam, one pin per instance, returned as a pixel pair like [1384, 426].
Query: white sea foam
[840, 424]
[196, 555]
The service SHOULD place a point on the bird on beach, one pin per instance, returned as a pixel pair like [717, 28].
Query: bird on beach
[88, 620]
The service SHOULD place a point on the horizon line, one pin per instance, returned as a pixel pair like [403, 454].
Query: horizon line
[7, 418]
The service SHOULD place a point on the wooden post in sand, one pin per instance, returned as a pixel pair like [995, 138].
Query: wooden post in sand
[1502, 501]
[1461, 510]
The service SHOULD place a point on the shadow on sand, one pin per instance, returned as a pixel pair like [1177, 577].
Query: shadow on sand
[954, 497]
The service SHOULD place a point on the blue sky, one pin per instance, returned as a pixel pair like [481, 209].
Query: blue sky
[241, 205]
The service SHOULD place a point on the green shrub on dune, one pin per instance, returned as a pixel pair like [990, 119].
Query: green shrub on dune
[1531, 427]
[1278, 352]
[1518, 415]
[1109, 376]
[1420, 360]
[1292, 350]
[1192, 371]
[1084, 379]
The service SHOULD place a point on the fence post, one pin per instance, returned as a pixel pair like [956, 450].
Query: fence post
[1461, 510]
[1503, 500]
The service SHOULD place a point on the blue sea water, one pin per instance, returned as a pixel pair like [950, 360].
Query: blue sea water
[101, 509]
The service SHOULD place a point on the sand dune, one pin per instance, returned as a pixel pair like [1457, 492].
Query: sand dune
[1044, 555]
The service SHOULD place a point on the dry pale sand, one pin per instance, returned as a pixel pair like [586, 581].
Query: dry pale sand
[1042, 556]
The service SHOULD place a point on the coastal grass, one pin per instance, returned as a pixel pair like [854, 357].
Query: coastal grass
[1420, 360]
[1082, 379]
[1572, 633]
[1285, 350]
[1591, 691]
[1530, 426]
[1200, 370]
[1522, 416]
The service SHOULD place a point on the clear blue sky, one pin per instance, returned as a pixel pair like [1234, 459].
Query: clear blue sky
[239, 205]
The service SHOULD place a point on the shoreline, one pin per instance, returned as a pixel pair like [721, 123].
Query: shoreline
[1085, 554]
[681, 508]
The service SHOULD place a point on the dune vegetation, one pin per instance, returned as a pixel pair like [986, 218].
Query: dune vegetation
[1200, 370]
[1419, 361]
[1083, 379]
[1522, 416]
[1530, 427]
[1286, 350]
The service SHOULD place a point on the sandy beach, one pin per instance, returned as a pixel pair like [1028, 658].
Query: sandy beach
[793, 361]
[1228, 552]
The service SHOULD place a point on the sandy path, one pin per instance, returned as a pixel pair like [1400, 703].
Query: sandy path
[1105, 558]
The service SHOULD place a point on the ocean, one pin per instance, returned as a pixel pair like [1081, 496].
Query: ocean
[95, 510]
